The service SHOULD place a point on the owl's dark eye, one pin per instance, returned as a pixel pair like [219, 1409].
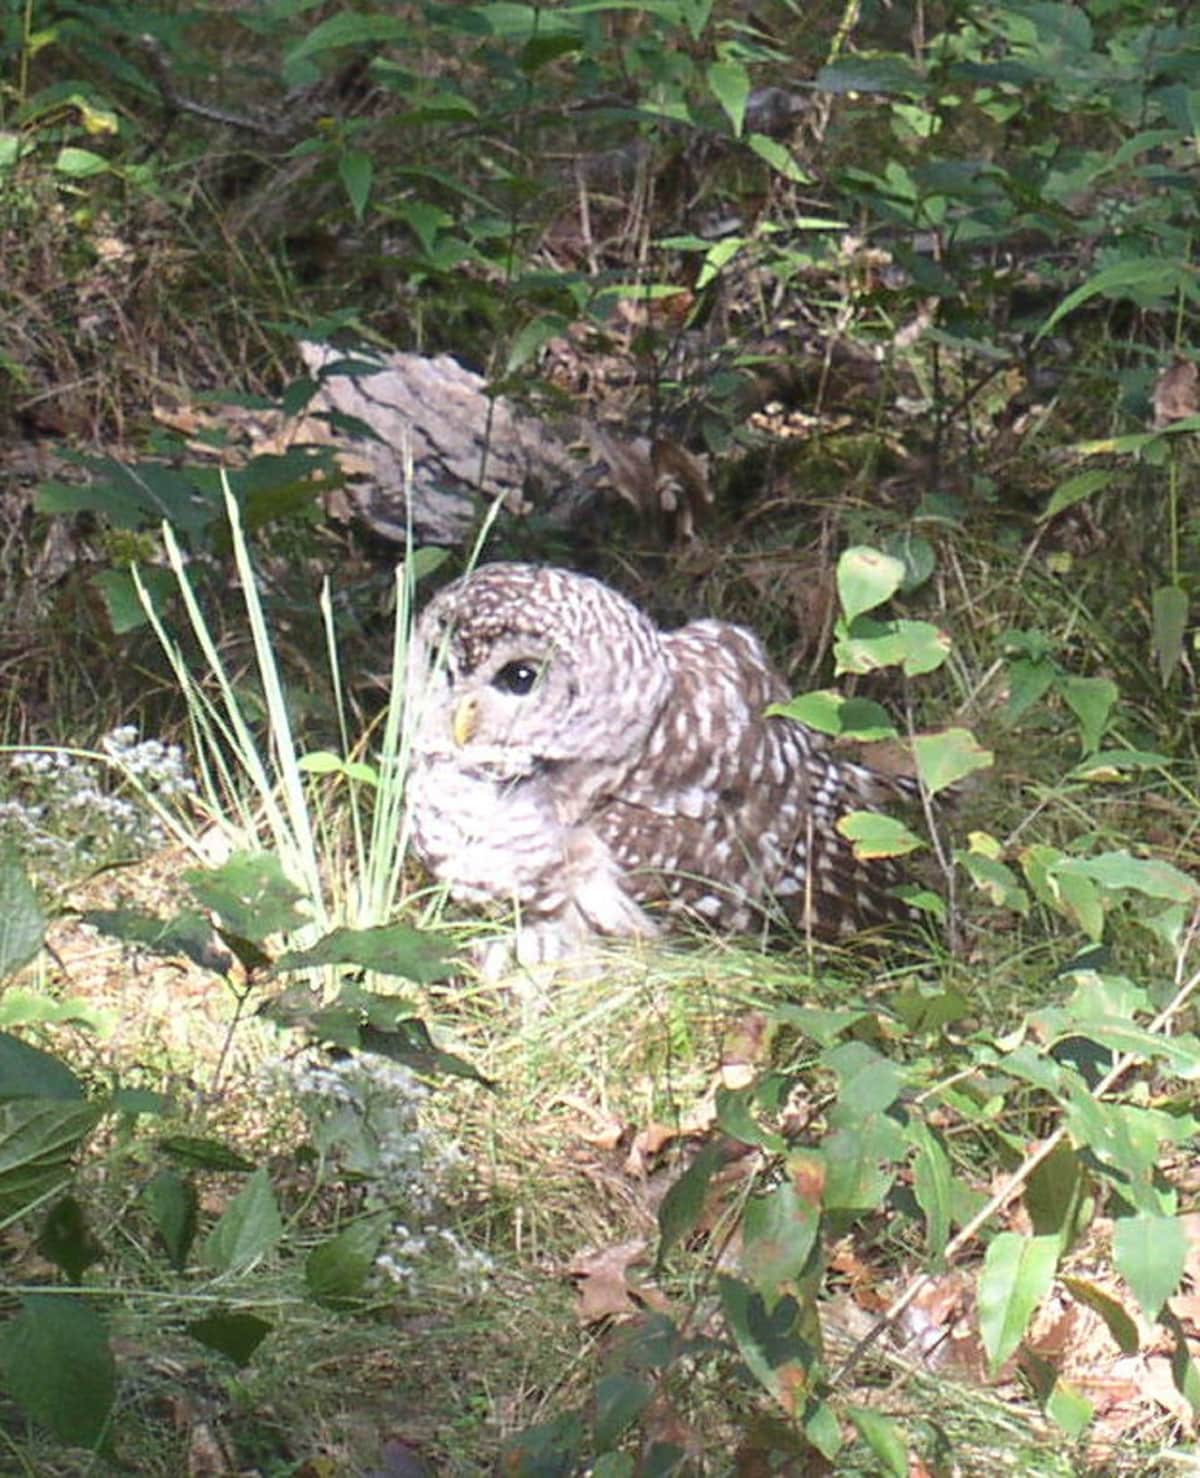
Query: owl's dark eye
[517, 678]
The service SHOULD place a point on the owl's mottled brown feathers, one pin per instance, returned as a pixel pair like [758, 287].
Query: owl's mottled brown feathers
[571, 759]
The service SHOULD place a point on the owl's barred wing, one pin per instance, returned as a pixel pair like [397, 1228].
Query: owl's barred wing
[731, 813]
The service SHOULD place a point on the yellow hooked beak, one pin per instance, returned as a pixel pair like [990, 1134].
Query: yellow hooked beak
[464, 721]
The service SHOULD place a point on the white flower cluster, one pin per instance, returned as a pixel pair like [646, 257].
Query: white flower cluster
[64, 806]
[159, 767]
[365, 1115]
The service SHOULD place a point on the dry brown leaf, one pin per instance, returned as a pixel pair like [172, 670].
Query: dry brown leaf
[1177, 393]
[604, 1286]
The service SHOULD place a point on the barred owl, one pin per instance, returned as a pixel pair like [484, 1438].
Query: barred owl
[600, 774]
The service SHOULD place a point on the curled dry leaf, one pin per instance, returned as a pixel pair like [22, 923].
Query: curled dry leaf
[605, 1288]
[1177, 393]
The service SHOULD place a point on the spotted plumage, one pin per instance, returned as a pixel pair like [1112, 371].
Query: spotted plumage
[601, 775]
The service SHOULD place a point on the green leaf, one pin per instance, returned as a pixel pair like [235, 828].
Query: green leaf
[933, 1185]
[204, 1154]
[540, 50]
[773, 153]
[1017, 1274]
[729, 83]
[944, 759]
[348, 28]
[1155, 878]
[619, 1401]
[38, 1137]
[829, 713]
[356, 169]
[1091, 700]
[22, 922]
[679, 1213]
[251, 894]
[1068, 1408]
[1170, 616]
[866, 578]
[388, 949]
[1052, 1195]
[1029, 679]
[1074, 490]
[66, 1239]
[408, 1041]
[884, 1437]
[336, 1270]
[532, 338]
[996, 879]
[249, 1229]
[59, 1368]
[1119, 1324]
[236, 1336]
[80, 164]
[122, 601]
[1150, 1253]
[779, 1232]
[172, 1204]
[28, 1072]
[876, 835]
[772, 1342]
[868, 645]
[189, 934]
[1160, 277]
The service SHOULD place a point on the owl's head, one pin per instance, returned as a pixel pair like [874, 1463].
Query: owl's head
[519, 664]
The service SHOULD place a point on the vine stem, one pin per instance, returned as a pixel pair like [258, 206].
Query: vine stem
[1015, 1181]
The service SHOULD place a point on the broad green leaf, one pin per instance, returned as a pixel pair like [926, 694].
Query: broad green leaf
[249, 1229]
[349, 28]
[772, 152]
[234, 1335]
[1111, 764]
[172, 1204]
[779, 1232]
[1068, 1408]
[1017, 1274]
[944, 759]
[38, 1138]
[884, 72]
[1170, 615]
[862, 1156]
[1079, 899]
[735, 1118]
[1159, 277]
[66, 1240]
[777, 1345]
[917, 555]
[996, 879]
[1052, 1195]
[59, 1368]
[681, 1208]
[916, 646]
[729, 83]
[1074, 490]
[829, 713]
[336, 1270]
[356, 170]
[876, 835]
[1091, 700]
[188, 933]
[933, 1185]
[866, 578]
[1150, 876]
[22, 922]
[79, 164]
[532, 338]
[28, 1072]
[387, 949]
[1029, 679]
[204, 1154]
[619, 1400]
[867, 1081]
[251, 894]
[823, 1429]
[884, 1437]
[1150, 1253]
[122, 601]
